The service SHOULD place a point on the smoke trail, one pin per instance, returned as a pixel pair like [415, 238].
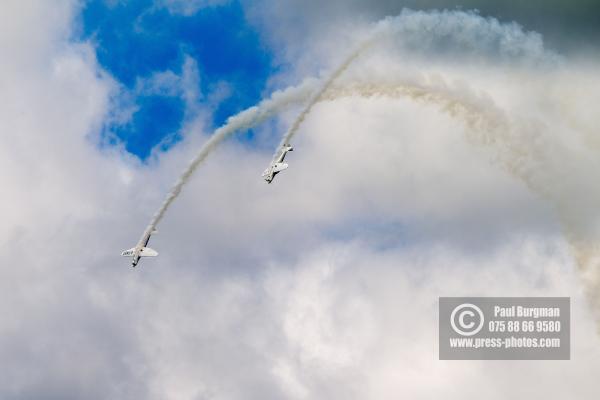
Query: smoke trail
[244, 120]
[477, 112]
[489, 126]
[317, 97]
[513, 142]
[420, 31]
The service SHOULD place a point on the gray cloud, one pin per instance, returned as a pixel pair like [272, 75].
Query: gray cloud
[567, 26]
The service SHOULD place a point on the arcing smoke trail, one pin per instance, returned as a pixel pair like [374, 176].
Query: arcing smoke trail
[477, 113]
[471, 32]
[244, 120]
[488, 34]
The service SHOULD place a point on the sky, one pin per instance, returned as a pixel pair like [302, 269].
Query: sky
[456, 156]
[145, 47]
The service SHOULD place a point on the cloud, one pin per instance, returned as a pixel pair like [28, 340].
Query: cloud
[184, 84]
[322, 285]
[566, 26]
[188, 7]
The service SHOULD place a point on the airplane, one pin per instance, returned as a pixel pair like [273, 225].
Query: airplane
[140, 250]
[277, 165]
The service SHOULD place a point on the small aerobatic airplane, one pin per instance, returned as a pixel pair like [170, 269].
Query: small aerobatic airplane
[140, 250]
[277, 165]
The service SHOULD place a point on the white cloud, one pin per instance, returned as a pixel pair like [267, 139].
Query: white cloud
[168, 83]
[322, 285]
[188, 7]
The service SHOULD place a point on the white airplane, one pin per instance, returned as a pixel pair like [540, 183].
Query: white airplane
[277, 165]
[140, 250]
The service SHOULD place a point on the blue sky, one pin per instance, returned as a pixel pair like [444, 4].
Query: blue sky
[136, 39]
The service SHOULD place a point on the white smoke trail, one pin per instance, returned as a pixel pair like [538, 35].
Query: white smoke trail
[464, 34]
[244, 120]
[418, 30]
[478, 113]
[317, 97]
